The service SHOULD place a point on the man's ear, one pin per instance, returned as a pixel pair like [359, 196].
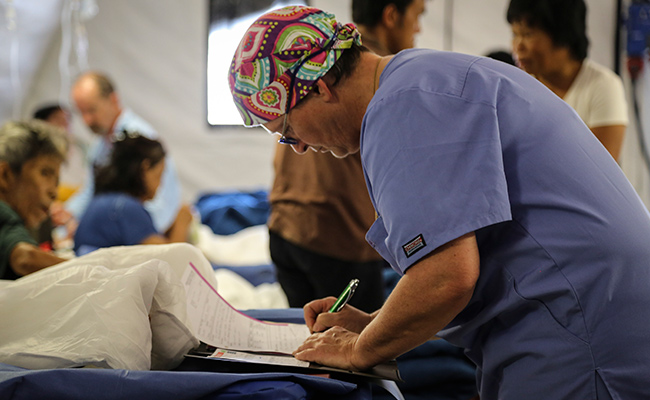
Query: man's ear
[114, 100]
[391, 16]
[323, 90]
[7, 177]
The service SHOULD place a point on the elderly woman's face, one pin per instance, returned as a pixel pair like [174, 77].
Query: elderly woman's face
[32, 191]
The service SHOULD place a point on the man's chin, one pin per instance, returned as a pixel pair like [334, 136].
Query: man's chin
[97, 130]
[339, 155]
[342, 153]
[337, 152]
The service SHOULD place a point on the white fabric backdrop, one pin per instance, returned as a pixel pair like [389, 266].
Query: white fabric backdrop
[155, 50]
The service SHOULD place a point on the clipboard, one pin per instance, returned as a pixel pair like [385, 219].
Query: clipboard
[202, 358]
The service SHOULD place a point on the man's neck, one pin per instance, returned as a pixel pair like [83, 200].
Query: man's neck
[111, 131]
[360, 86]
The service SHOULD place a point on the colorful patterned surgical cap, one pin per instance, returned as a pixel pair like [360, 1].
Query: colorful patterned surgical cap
[280, 57]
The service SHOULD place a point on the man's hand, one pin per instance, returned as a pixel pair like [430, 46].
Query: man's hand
[334, 347]
[318, 318]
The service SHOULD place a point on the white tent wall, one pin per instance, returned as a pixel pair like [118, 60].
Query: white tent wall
[25, 33]
[155, 50]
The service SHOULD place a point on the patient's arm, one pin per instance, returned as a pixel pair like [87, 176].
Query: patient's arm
[155, 239]
[26, 258]
[177, 233]
[181, 226]
[611, 137]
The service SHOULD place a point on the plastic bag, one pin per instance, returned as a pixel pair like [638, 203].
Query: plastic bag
[117, 308]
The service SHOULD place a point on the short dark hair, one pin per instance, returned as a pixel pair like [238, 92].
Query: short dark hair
[123, 174]
[44, 112]
[565, 21]
[344, 66]
[368, 12]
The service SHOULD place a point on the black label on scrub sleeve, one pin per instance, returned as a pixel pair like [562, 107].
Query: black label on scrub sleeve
[414, 245]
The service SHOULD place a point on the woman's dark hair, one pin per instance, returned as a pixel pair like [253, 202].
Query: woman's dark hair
[565, 21]
[43, 113]
[123, 174]
[501, 55]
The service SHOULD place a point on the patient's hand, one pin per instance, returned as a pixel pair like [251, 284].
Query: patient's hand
[60, 216]
[178, 232]
[184, 214]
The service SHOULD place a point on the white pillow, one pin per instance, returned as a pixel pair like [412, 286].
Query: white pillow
[120, 307]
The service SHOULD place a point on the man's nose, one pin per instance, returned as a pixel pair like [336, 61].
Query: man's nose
[301, 147]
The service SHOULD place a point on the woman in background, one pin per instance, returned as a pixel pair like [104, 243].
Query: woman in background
[116, 215]
[550, 42]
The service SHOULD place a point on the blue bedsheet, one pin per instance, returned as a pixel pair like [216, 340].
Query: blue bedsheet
[98, 384]
[254, 274]
[229, 212]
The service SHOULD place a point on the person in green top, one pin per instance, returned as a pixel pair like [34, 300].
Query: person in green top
[31, 154]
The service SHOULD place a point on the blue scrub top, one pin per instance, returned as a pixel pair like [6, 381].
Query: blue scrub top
[452, 144]
[113, 219]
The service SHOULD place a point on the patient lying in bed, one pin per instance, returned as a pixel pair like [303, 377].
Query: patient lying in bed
[116, 215]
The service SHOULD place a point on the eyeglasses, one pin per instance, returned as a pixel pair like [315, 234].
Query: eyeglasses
[283, 138]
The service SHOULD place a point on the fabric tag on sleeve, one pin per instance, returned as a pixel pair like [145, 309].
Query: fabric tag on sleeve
[414, 245]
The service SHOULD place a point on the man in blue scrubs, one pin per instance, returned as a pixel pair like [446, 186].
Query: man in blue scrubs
[518, 236]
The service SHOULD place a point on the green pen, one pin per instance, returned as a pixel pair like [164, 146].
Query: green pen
[345, 296]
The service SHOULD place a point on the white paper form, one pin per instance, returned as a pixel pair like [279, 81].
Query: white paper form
[258, 358]
[218, 324]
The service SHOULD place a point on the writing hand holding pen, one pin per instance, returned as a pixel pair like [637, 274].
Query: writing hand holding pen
[335, 329]
[318, 318]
